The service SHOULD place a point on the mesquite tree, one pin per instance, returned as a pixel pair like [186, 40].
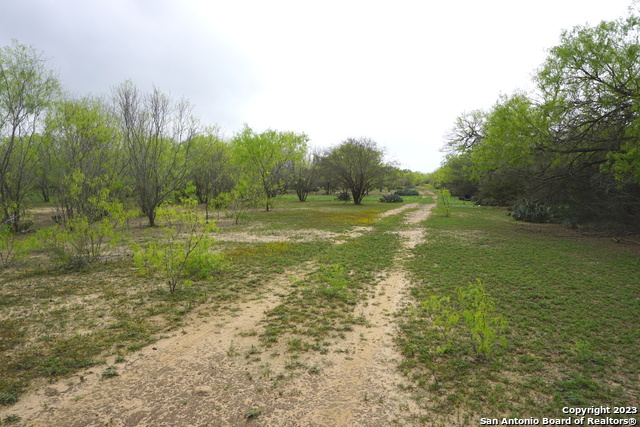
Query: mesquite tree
[27, 89]
[157, 133]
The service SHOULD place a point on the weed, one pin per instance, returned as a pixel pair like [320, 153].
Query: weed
[110, 372]
[443, 202]
[14, 247]
[252, 413]
[232, 351]
[11, 419]
[470, 318]
[7, 399]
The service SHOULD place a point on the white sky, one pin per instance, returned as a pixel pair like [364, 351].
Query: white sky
[399, 71]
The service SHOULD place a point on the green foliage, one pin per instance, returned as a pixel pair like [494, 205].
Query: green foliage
[202, 263]
[443, 202]
[391, 198]
[7, 399]
[14, 247]
[252, 413]
[211, 168]
[27, 89]
[81, 240]
[333, 282]
[264, 157]
[468, 320]
[533, 211]
[573, 142]
[245, 196]
[407, 192]
[11, 419]
[169, 254]
[344, 196]
[110, 372]
[358, 165]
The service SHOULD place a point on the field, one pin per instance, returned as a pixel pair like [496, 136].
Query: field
[325, 313]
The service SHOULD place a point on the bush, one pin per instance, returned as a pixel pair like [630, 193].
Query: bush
[80, 240]
[170, 254]
[407, 192]
[468, 321]
[392, 198]
[13, 247]
[202, 263]
[344, 196]
[534, 211]
[444, 202]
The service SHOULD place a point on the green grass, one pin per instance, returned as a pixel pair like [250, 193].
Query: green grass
[572, 307]
[321, 305]
[322, 212]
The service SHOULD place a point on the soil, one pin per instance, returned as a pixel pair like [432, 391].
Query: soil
[215, 372]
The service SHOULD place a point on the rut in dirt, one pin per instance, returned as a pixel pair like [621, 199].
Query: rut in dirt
[217, 372]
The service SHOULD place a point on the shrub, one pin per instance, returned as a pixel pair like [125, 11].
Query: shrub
[344, 196]
[202, 263]
[444, 202]
[533, 211]
[407, 192]
[392, 198]
[170, 255]
[13, 247]
[80, 240]
[469, 320]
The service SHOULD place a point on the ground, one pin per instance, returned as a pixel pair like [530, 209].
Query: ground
[213, 372]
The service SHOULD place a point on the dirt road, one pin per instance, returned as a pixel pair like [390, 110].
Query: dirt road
[215, 373]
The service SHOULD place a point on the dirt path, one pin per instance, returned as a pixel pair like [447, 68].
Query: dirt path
[215, 373]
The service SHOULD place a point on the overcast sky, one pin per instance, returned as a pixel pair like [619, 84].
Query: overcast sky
[398, 72]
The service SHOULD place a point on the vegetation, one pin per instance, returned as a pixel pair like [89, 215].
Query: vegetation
[391, 198]
[184, 237]
[572, 142]
[505, 317]
[266, 155]
[157, 135]
[358, 165]
[443, 202]
[27, 90]
[568, 303]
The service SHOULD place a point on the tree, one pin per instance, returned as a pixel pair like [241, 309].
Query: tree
[157, 134]
[590, 85]
[211, 168]
[358, 165]
[467, 132]
[572, 143]
[81, 155]
[27, 89]
[305, 175]
[456, 174]
[266, 156]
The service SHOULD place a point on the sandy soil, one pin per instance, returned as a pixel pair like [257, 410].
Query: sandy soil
[214, 372]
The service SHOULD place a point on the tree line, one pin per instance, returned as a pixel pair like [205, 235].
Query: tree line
[572, 143]
[81, 152]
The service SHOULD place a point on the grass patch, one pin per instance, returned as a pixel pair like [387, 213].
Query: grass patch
[572, 306]
[321, 305]
[322, 212]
